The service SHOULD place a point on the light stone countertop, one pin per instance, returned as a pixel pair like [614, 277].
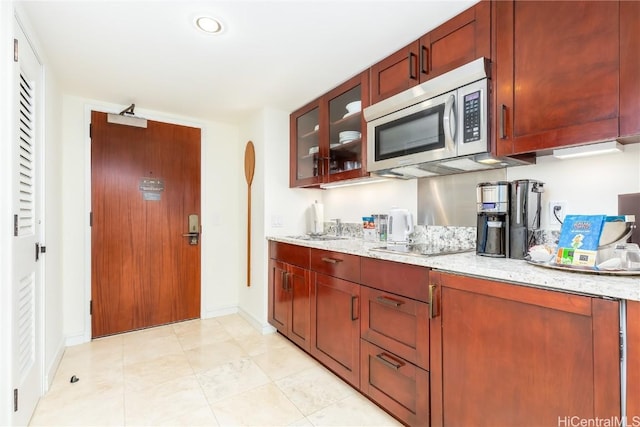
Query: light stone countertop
[507, 270]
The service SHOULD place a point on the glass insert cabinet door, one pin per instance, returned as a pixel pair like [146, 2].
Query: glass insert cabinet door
[345, 131]
[328, 136]
[308, 163]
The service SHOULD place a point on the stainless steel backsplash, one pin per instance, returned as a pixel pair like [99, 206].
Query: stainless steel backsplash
[451, 199]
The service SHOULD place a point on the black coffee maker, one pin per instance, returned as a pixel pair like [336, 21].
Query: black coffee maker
[508, 217]
[524, 215]
[492, 238]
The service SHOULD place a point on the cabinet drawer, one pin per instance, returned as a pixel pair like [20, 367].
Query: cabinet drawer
[336, 264]
[395, 384]
[411, 281]
[396, 323]
[291, 254]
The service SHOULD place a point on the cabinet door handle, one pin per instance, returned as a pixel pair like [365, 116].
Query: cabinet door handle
[389, 301]
[389, 361]
[432, 303]
[424, 59]
[355, 307]
[283, 277]
[412, 66]
[331, 260]
[503, 114]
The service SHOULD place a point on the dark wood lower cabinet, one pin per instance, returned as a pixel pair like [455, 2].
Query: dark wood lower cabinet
[335, 328]
[511, 355]
[633, 363]
[289, 289]
[395, 384]
[439, 349]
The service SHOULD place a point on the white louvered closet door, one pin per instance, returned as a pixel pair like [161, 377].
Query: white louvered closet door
[26, 291]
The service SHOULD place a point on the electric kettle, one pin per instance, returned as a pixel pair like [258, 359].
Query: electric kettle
[400, 225]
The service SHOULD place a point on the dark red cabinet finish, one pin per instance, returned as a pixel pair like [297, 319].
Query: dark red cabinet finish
[396, 384]
[512, 355]
[462, 39]
[557, 73]
[335, 333]
[289, 292]
[317, 153]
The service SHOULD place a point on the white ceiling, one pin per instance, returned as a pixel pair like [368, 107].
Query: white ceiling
[280, 54]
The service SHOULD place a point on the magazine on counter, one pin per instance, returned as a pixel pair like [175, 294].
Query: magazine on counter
[579, 240]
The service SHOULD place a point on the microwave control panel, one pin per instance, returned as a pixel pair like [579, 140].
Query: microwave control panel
[471, 120]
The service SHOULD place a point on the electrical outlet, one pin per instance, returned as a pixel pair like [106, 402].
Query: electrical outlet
[557, 211]
[276, 221]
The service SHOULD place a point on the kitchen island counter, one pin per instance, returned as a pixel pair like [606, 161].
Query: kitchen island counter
[507, 270]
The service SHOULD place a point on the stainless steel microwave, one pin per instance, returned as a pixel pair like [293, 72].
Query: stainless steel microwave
[443, 118]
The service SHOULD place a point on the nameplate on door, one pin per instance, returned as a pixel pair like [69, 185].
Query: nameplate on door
[151, 188]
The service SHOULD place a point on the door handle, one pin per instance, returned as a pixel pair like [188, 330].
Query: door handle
[413, 75]
[355, 307]
[194, 229]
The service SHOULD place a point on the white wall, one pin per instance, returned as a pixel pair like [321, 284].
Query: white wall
[272, 201]
[589, 185]
[220, 216]
[350, 204]
[53, 236]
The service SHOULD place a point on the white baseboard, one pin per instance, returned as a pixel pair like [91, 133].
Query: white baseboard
[263, 328]
[72, 340]
[53, 367]
[225, 311]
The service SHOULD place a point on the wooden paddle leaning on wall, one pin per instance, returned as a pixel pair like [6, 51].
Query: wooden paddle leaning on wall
[249, 168]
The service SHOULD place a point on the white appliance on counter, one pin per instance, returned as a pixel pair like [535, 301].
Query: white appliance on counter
[400, 227]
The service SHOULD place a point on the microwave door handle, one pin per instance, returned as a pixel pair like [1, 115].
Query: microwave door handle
[449, 122]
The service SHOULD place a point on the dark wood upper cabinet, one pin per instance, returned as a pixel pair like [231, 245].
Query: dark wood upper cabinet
[629, 69]
[320, 150]
[557, 73]
[458, 41]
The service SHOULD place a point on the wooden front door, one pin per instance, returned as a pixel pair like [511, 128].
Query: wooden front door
[145, 183]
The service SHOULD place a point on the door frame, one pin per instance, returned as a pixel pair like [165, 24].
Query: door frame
[150, 115]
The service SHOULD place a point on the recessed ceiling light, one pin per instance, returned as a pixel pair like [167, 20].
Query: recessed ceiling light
[208, 24]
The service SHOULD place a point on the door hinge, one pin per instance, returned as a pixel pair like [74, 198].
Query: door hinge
[15, 400]
[90, 219]
[15, 226]
[90, 307]
[90, 130]
[15, 50]
[37, 251]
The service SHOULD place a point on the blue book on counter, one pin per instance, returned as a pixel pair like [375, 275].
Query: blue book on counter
[579, 240]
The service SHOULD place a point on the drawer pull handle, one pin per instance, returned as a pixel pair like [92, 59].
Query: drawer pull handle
[389, 361]
[331, 260]
[389, 301]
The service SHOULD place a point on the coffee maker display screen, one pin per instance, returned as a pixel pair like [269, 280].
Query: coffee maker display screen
[488, 205]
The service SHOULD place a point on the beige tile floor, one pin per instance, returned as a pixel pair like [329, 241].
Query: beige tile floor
[200, 373]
